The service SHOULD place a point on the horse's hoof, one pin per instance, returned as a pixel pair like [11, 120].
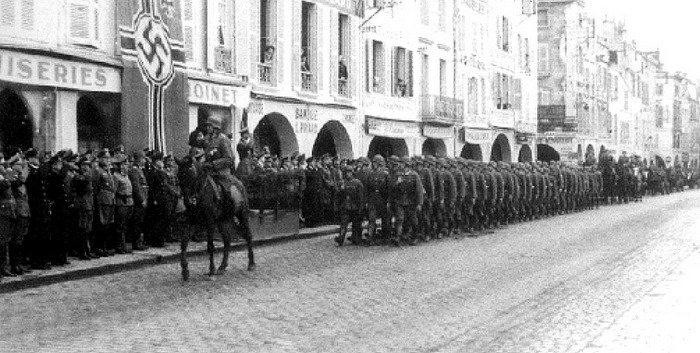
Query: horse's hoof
[185, 275]
[220, 271]
[251, 267]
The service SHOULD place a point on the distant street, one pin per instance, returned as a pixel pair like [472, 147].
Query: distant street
[620, 279]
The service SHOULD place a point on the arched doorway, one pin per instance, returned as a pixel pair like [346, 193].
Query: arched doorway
[275, 132]
[546, 153]
[472, 152]
[334, 140]
[387, 146]
[525, 154]
[500, 152]
[659, 162]
[92, 132]
[16, 130]
[434, 147]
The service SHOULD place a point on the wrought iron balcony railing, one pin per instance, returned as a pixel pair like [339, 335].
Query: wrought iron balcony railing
[442, 110]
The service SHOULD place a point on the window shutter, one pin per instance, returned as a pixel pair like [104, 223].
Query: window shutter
[318, 53]
[368, 66]
[7, 17]
[335, 34]
[79, 23]
[394, 71]
[28, 15]
[212, 40]
[296, 44]
[188, 30]
[496, 88]
[96, 24]
[409, 75]
[517, 90]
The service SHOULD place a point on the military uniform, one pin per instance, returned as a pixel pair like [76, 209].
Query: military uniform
[409, 198]
[140, 188]
[83, 203]
[352, 204]
[378, 190]
[124, 205]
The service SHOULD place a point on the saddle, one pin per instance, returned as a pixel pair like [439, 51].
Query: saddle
[229, 190]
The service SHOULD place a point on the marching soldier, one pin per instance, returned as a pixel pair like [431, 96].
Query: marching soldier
[378, 189]
[426, 214]
[409, 202]
[352, 203]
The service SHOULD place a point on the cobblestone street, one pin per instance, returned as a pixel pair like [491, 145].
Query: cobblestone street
[619, 279]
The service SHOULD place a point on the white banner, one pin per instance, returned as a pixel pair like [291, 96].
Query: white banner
[392, 128]
[46, 71]
[438, 132]
[220, 95]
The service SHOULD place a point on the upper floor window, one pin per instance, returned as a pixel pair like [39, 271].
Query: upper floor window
[424, 12]
[544, 96]
[267, 45]
[402, 72]
[503, 31]
[472, 96]
[375, 79]
[223, 50]
[442, 15]
[659, 89]
[17, 15]
[542, 18]
[308, 48]
[502, 91]
[343, 54]
[84, 22]
[443, 78]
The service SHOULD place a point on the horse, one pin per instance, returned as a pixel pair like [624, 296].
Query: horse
[215, 207]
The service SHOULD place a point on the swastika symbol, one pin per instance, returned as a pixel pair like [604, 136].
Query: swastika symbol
[153, 50]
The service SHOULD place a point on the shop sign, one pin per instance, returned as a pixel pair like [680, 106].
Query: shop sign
[306, 120]
[522, 139]
[392, 128]
[476, 136]
[256, 108]
[220, 95]
[438, 132]
[563, 144]
[46, 71]
[503, 119]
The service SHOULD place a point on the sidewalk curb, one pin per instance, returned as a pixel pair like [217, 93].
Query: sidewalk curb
[34, 282]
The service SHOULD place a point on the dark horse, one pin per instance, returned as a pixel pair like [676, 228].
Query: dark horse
[216, 208]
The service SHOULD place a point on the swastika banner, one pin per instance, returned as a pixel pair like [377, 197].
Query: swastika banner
[154, 81]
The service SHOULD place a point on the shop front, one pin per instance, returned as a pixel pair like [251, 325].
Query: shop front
[309, 129]
[227, 102]
[557, 148]
[438, 140]
[52, 103]
[391, 137]
[474, 142]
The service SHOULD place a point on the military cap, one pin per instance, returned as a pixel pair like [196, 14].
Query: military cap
[394, 159]
[31, 153]
[214, 121]
[119, 159]
[70, 157]
[138, 155]
[104, 153]
[310, 159]
[405, 160]
[301, 158]
[378, 158]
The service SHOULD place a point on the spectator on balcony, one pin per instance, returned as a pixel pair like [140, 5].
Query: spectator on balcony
[269, 56]
[342, 69]
[400, 88]
[305, 66]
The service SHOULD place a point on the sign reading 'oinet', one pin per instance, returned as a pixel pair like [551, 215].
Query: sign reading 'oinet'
[46, 71]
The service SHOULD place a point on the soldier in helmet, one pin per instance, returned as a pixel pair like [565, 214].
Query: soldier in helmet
[378, 189]
[426, 214]
[351, 195]
[409, 200]
[450, 193]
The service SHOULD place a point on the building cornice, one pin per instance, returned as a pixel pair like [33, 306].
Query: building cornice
[63, 53]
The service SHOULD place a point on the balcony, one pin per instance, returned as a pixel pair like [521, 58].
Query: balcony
[307, 82]
[441, 110]
[343, 89]
[223, 59]
[265, 74]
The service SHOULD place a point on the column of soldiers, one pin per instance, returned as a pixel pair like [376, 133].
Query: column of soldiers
[56, 205]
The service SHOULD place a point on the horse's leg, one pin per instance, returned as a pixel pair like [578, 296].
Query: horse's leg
[244, 228]
[226, 229]
[184, 241]
[211, 229]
